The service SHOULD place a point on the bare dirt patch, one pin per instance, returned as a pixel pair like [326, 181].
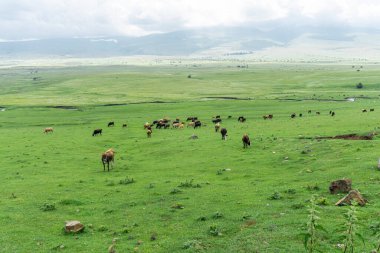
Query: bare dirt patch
[366, 137]
[229, 98]
[64, 107]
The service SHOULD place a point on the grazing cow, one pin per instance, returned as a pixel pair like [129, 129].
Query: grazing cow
[223, 131]
[309, 111]
[97, 131]
[217, 116]
[178, 125]
[229, 116]
[191, 124]
[192, 119]
[318, 113]
[111, 123]
[268, 116]
[197, 124]
[160, 124]
[217, 120]
[242, 119]
[246, 141]
[293, 115]
[146, 125]
[108, 158]
[124, 125]
[48, 130]
[217, 127]
[364, 110]
[300, 115]
[371, 110]
[181, 125]
[149, 133]
[332, 114]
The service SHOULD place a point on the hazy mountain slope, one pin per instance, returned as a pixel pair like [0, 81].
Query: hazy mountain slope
[211, 41]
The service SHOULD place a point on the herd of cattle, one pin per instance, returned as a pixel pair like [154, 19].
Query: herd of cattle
[194, 122]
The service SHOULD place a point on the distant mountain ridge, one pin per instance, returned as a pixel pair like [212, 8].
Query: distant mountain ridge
[213, 41]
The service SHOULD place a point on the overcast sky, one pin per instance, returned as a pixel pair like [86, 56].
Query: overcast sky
[26, 19]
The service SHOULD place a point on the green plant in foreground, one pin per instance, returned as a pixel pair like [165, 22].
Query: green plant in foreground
[275, 196]
[215, 231]
[375, 227]
[351, 232]
[312, 227]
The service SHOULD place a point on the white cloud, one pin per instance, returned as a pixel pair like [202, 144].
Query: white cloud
[21, 19]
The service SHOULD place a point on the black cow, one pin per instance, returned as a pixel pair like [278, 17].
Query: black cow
[371, 110]
[216, 120]
[293, 115]
[242, 119]
[111, 123]
[197, 124]
[97, 131]
[332, 114]
[364, 110]
[124, 125]
[223, 131]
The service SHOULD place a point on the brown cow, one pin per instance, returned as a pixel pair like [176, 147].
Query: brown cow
[246, 141]
[48, 130]
[107, 158]
[149, 133]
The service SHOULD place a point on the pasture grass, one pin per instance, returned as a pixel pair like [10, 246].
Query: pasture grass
[170, 193]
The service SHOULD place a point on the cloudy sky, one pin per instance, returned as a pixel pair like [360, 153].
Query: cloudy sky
[27, 19]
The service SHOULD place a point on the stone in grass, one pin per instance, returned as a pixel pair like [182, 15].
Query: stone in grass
[193, 137]
[73, 226]
[342, 185]
[352, 195]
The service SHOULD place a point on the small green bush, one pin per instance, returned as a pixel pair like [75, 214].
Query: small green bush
[127, 180]
[47, 207]
[214, 230]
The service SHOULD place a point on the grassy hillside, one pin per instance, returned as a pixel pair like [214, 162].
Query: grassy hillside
[204, 195]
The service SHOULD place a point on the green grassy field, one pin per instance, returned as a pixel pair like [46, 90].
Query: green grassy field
[204, 195]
